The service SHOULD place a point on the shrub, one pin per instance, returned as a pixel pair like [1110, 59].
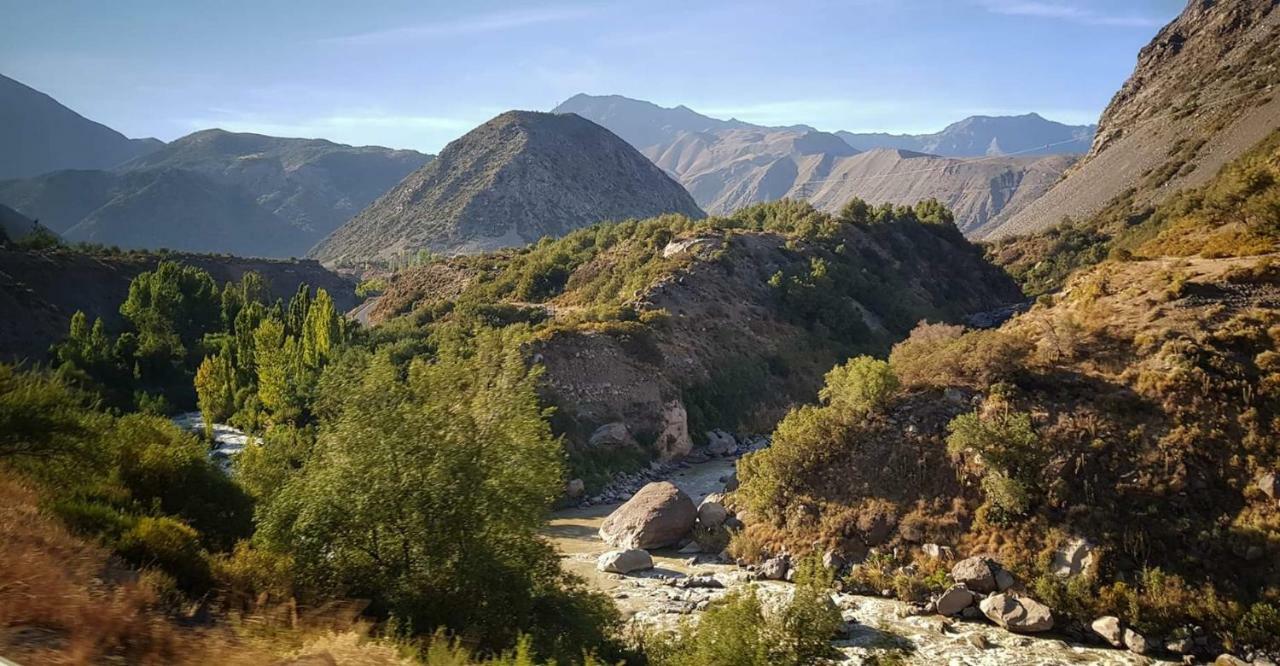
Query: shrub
[861, 385]
[942, 355]
[172, 546]
[1260, 627]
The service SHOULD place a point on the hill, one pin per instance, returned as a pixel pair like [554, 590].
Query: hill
[673, 326]
[727, 164]
[518, 178]
[39, 135]
[216, 191]
[1202, 93]
[976, 136]
[41, 290]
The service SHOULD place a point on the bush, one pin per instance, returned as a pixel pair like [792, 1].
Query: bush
[170, 545]
[862, 385]
[943, 355]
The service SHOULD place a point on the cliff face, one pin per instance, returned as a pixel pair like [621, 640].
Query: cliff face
[1202, 92]
[40, 291]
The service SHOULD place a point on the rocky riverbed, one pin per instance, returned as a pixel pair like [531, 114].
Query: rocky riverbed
[680, 585]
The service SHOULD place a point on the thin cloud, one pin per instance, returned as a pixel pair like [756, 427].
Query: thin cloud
[1073, 13]
[466, 25]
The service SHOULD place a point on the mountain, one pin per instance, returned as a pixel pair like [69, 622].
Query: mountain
[216, 191]
[39, 135]
[977, 136]
[727, 164]
[14, 225]
[520, 177]
[1202, 92]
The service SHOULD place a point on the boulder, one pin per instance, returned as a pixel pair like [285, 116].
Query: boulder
[1226, 659]
[673, 435]
[975, 573]
[1004, 579]
[1180, 646]
[721, 443]
[574, 488]
[1072, 558]
[612, 434]
[937, 552]
[833, 561]
[712, 513]
[1108, 628]
[731, 481]
[1269, 485]
[954, 600]
[624, 561]
[660, 514]
[1017, 614]
[1136, 642]
[774, 568]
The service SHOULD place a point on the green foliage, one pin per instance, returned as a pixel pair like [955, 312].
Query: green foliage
[1010, 452]
[42, 418]
[863, 384]
[169, 545]
[1260, 626]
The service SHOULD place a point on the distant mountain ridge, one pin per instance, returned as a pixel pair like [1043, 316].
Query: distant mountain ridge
[728, 164]
[216, 191]
[39, 135]
[515, 179]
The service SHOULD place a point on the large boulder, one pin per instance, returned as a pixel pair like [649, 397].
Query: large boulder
[1269, 485]
[612, 434]
[721, 443]
[774, 568]
[1108, 628]
[1072, 558]
[1136, 642]
[624, 561]
[711, 513]
[976, 573]
[575, 488]
[673, 435]
[659, 515]
[954, 600]
[1017, 614]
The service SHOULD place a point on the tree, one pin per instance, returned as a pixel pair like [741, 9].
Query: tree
[278, 364]
[426, 494]
[41, 417]
[216, 389]
[861, 385]
[322, 331]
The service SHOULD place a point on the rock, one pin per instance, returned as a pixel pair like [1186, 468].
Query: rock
[673, 435]
[937, 552]
[1108, 628]
[1136, 642]
[712, 513]
[731, 481]
[1253, 553]
[1180, 646]
[971, 613]
[721, 443]
[979, 641]
[574, 488]
[690, 548]
[1229, 660]
[1072, 558]
[1004, 579]
[954, 395]
[833, 561]
[954, 600]
[1269, 485]
[660, 514]
[1017, 614]
[975, 573]
[774, 568]
[624, 561]
[612, 434]
[706, 581]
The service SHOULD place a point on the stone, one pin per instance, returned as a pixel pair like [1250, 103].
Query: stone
[1225, 659]
[612, 434]
[954, 395]
[937, 552]
[731, 481]
[659, 515]
[975, 573]
[574, 488]
[673, 435]
[712, 513]
[624, 561]
[954, 600]
[1269, 484]
[1180, 646]
[1021, 615]
[690, 548]
[833, 561]
[705, 581]
[1136, 642]
[1004, 579]
[774, 568]
[721, 443]
[1072, 558]
[1108, 628]
[979, 641]
[971, 613]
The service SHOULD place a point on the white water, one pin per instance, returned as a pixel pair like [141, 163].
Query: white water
[228, 442]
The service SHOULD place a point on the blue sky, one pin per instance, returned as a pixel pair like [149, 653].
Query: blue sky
[418, 74]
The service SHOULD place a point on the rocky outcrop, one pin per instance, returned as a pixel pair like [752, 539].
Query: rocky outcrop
[612, 434]
[520, 177]
[1017, 614]
[657, 516]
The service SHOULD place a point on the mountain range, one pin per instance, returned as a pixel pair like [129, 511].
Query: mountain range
[727, 164]
[210, 191]
[39, 135]
[515, 179]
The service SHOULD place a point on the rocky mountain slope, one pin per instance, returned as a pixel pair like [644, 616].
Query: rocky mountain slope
[520, 177]
[39, 135]
[657, 331]
[727, 164]
[1203, 91]
[216, 191]
[14, 225]
[41, 290]
[977, 136]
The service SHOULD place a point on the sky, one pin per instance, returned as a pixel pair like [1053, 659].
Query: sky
[417, 74]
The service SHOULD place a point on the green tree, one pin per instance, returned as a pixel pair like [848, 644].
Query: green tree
[216, 389]
[861, 385]
[322, 331]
